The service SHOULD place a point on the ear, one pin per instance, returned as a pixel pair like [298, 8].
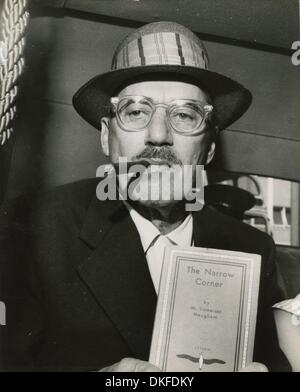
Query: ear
[211, 153]
[104, 135]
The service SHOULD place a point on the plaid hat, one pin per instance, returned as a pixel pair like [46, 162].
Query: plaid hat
[157, 50]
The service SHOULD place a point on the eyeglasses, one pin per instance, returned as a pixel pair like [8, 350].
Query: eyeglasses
[186, 116]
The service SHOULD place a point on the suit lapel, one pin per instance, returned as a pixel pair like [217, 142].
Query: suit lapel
[117, 274]
[204, 231]
[116, 271]
[213, 229]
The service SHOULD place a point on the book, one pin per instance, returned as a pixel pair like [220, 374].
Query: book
[206, 312]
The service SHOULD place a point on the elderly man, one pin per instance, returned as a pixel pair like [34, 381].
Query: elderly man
[81, 284]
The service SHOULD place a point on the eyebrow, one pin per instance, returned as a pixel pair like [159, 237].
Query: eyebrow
[131, 100]
[145, 100]
[126, 104]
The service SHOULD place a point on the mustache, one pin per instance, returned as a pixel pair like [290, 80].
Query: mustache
[163, 153]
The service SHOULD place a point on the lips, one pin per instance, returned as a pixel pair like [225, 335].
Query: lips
[145, 162]
[155, 161]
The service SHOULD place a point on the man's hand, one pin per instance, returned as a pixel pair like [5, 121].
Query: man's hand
[136, 365]
[254, 367]
[131, 365]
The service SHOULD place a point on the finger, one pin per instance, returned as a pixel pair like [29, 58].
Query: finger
[131, 365]
[136, 365]
[142, 366]
[255, 367]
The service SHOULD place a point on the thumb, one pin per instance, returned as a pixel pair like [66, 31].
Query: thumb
[255, 367]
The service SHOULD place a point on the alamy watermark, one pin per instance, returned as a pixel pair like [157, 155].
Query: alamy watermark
[296, 44]
[296, 55]
[144, 181]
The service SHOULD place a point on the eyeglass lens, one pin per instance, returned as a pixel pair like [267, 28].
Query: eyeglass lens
[136, 113]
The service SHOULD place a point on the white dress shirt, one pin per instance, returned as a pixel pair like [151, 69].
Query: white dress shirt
[154, 243]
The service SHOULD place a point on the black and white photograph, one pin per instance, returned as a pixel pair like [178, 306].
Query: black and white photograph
[149, 188]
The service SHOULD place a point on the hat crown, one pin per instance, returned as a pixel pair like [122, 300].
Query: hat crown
[162, 48]
[160, 43]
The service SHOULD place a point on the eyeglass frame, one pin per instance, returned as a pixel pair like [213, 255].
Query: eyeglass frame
[207, 109]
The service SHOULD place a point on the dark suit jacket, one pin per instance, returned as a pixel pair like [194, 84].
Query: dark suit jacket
[76, 285]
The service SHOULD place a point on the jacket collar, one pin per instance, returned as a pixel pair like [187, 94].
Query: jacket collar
[116, 272]
[100, 218]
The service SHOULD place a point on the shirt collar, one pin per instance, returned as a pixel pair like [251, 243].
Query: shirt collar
[181, 236]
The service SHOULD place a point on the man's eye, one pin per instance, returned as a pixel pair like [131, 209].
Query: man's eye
[184, 116]
[136, 113]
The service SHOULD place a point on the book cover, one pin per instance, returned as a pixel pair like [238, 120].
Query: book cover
[206, 311]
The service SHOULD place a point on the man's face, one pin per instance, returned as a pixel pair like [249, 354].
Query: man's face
[158, 137]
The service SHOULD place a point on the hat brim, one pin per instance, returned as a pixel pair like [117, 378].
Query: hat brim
[229, 98]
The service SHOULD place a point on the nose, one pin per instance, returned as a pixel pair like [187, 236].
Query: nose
[158, 132]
